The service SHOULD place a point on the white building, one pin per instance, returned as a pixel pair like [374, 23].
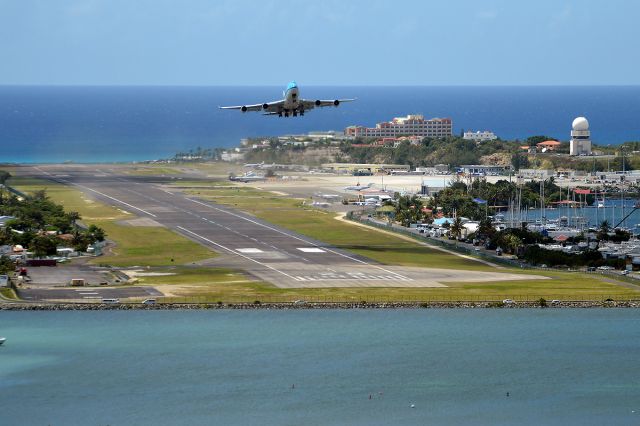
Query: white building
[536, 173]
[479, 136]
[411, 125]
[580, 143]
[483, 170]
[232, 155]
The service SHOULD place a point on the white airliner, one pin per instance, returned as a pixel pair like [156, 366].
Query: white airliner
[290, 105]
[358, 187]
[247, 177]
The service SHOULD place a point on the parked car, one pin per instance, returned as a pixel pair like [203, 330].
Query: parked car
[149, 302]
[508, 301]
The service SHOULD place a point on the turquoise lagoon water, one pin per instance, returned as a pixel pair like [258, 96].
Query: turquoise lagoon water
[349, 367]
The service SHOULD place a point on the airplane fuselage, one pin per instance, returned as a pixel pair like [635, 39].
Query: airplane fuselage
[291, 98]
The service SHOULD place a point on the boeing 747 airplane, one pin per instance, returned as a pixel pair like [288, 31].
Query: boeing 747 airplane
[290, 105]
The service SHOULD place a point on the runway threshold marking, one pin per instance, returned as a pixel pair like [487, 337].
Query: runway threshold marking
[298, 238]
[236, 253]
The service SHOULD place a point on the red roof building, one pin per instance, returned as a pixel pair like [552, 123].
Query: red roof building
[549, 145]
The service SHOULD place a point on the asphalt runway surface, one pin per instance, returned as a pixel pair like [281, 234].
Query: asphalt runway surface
[88, 294]
[267, 252]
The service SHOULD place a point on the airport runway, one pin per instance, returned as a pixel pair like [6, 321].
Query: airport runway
[269, 253]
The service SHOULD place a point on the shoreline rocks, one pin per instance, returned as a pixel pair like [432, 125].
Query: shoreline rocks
[309, 305]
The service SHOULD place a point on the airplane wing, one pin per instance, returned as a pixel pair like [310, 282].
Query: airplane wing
[267, 106]
[309, 104]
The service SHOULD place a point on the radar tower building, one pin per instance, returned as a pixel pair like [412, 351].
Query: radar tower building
[580, 137]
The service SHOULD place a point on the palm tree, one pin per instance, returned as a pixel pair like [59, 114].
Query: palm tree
[603, 232]
[456, 228]
[486, 228]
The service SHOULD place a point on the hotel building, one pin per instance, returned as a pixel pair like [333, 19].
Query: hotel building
[411, 125]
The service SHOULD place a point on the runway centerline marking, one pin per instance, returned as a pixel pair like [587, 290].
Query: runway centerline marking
[298, 238]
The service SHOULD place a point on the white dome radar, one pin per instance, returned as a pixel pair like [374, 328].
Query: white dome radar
[580, 123]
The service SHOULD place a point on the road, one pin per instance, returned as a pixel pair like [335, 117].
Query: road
[267, 252]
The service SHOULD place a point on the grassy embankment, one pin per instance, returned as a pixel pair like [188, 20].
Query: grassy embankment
[152, 170]
[8, 293]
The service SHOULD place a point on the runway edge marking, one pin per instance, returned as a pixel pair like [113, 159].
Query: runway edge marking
[299, 239]
[53, 178]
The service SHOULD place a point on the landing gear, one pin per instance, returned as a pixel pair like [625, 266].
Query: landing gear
[286, 113]
[301, 112]
[280, 114]
[295, 113]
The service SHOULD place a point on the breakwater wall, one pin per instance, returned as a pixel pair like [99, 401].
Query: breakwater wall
[285, 306]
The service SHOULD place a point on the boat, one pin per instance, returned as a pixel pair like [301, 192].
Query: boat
[2, 339]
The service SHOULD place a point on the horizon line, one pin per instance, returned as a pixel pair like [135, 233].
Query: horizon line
[315, 85]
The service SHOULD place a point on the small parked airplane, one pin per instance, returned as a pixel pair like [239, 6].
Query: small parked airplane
[290, 105]
[320, 204]
[358, 187]
[327, 196]
[247, 177]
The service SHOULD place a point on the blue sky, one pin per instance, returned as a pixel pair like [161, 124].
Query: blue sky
[264, 42]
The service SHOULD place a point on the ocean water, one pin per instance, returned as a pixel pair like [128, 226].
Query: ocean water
[92, 124]
[326, 367]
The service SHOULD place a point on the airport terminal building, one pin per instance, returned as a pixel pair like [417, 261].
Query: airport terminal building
[411, 125]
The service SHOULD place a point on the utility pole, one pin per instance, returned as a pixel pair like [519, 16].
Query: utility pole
[622, 181]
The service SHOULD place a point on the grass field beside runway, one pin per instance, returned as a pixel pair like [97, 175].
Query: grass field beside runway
[214, 285]
[135, 245]
[152, 170]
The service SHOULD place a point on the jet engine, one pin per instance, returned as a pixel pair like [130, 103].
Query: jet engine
[265, 106]
[336, 102]
[243, 109]
[318, 102]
